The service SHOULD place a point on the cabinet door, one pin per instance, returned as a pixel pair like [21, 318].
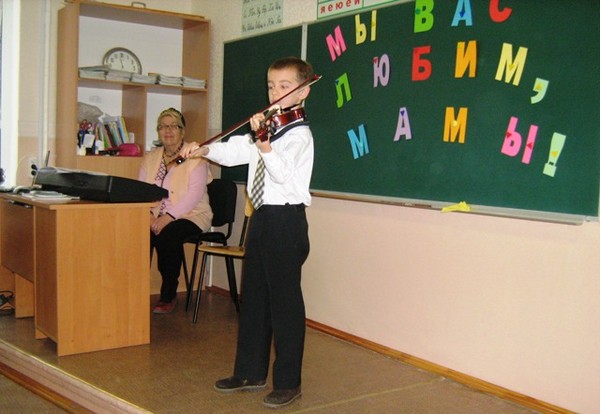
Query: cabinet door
[17, 238]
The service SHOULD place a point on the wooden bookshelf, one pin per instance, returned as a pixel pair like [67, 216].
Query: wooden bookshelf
[134, 97]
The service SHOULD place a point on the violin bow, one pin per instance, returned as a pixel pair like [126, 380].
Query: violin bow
[230, 130]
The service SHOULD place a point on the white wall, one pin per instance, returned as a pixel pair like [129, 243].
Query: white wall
[512, 302]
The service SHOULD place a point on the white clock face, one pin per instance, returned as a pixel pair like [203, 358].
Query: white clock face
[122, 59]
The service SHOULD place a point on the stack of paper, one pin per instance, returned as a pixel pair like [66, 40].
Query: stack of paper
[169, 80]
[146, 79]
[118, 75]
[93, 72]
[48, 196]
[190, 82]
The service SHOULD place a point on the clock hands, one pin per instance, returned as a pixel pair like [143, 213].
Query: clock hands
[127, 60]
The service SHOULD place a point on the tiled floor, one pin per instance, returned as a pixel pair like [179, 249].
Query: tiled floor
[176, 372]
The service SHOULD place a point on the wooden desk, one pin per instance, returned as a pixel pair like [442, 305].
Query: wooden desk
[91, 269]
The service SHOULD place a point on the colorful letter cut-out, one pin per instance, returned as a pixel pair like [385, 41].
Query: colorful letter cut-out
[423, 16]
[336, 45]
[513, 140]
[403, 126]
[381, 70]
[511, 68]
[498, 15]
[528, 150]
[361, 28]
[421, 68]
[360, 143]
[454, 126]
[540, 87]
[463, 13]
[556, 146]
[342, 84]
[466, 57]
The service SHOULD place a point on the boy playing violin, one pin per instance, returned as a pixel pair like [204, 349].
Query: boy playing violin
[277, 243]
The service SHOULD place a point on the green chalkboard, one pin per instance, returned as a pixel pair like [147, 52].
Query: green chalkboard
[380, 133]
[245, 79]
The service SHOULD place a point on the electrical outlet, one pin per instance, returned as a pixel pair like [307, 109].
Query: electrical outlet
[33, 166]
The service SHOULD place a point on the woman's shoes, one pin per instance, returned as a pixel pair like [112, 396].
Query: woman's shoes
[165, 307]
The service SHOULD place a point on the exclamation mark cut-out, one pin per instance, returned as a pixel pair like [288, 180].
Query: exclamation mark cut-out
[556, 146]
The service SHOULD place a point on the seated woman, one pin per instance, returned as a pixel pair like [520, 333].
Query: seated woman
[185, 213]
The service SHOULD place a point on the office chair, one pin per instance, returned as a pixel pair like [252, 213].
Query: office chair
[229, 253]
[223, 198]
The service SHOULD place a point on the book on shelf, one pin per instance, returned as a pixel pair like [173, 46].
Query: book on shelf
[167, 79]
[97, 68]
[146, 79]
[102, 135]
[112, 131]
[118, 75]
[104, 72]
[93, 72]
[185, 81]
[190, 82]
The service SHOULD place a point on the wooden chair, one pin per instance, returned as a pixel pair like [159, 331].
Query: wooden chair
[229, 253]
[223, 199]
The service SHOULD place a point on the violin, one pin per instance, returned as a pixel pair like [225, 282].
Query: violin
[275, 119]
[270, 108]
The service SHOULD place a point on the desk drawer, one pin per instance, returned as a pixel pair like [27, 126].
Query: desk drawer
[17, 238]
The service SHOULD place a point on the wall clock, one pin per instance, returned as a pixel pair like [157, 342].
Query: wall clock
[120, 58]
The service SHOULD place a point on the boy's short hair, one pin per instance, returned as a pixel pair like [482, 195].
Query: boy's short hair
[303, 69]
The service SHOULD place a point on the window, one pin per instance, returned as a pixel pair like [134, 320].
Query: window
[9, 87]
[1, 170]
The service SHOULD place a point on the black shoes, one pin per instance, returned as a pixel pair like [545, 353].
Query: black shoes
[281, 398]
[275, 399]
[233, 384]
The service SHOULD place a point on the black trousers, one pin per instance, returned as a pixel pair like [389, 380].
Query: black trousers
[272, 304]
[169, 253]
